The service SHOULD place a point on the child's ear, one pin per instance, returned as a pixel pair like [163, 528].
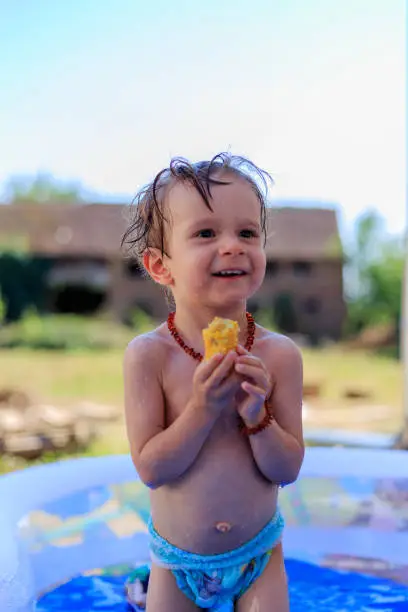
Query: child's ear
[153, 262]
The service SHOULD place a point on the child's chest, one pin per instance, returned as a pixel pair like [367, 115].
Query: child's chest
[178, 387]
[178, 390]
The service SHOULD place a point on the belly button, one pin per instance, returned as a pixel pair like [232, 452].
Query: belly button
[223, 527]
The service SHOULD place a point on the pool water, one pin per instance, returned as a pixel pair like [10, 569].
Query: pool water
[311, 588]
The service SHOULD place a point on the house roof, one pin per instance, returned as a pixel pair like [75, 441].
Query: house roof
[304, 233]
[95, 230]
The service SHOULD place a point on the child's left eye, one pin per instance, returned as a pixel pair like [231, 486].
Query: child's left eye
[247, 233]
[205, 233]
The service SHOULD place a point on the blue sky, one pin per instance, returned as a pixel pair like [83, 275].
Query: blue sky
[106, 91]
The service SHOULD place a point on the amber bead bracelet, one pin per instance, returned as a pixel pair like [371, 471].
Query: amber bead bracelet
[266, 421]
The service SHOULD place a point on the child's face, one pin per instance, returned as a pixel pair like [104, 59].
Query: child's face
[203, 243]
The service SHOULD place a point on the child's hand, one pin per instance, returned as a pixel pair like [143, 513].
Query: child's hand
[215, 383]
[257, 386]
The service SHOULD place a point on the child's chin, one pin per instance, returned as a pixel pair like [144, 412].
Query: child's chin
[236, 293]
[230, 300]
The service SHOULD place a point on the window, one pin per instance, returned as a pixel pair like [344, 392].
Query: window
[272, 268]
[302, 268]
[312, 305]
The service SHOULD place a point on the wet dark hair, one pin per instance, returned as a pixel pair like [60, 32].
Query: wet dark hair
[148, 220]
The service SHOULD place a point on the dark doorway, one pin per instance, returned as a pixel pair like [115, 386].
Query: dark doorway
[77, 299]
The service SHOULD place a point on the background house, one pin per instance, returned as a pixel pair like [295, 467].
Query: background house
[303, 283]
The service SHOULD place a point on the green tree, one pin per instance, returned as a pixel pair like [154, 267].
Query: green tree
[377, 263]
[385, 278]
[363, 250]
[42, 188]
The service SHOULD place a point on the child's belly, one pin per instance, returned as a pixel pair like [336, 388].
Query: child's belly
[220, 503]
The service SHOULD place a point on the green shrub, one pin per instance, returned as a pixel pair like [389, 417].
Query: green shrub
[140, 321]
[22, 283]
[68, 332]
[265, 317]
[284, 314]
[2, 309]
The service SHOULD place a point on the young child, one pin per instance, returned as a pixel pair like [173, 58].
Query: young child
[213, 440]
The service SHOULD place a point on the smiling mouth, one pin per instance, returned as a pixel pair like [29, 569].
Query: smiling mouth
[230, 273]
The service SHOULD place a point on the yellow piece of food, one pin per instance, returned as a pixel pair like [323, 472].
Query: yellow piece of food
[220, 336]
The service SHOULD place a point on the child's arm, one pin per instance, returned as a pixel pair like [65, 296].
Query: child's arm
[160, 454]
[279, 449]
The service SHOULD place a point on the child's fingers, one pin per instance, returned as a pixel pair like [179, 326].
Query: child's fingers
[252, 361]
[253, 371]
[253, 390]
[206, 368]
[222, 370]
[241, 350]
[245, 356]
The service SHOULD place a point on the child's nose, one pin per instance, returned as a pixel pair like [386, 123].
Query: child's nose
[231, 245]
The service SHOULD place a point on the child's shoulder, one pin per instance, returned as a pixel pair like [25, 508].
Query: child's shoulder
[278, 345]
[147, 348]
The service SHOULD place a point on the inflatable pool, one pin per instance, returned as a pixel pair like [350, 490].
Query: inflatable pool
[71, 532]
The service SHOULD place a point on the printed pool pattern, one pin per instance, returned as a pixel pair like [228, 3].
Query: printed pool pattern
[311, 588]
[123, 509]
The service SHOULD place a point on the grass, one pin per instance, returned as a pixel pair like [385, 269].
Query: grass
[338, 369]
[66, 377]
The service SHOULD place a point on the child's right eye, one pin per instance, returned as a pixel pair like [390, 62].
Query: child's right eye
[205, 233]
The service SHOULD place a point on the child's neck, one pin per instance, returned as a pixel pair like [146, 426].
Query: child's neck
[190, 322]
